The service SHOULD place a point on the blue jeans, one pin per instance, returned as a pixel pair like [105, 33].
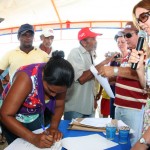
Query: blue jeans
[36, 124]
[133, 118]
[73, 115]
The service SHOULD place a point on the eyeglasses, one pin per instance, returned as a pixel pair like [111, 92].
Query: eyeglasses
[143, 17]
[128, 35]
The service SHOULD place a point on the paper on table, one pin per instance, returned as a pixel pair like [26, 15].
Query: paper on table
[90, 142]
[96, 122]
[103, 81]
[21, 144]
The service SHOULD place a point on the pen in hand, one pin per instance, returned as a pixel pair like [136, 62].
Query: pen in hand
[45, 131]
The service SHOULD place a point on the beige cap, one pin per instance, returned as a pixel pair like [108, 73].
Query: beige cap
[47, 32]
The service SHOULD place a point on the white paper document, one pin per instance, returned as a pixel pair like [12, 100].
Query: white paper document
[90, 142]
[103, 82]
[96, 122]
[21, 144]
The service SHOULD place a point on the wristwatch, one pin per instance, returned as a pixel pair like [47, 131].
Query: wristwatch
[115, 71]
[143, 141]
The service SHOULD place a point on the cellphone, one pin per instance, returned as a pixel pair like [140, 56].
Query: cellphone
[109, 54]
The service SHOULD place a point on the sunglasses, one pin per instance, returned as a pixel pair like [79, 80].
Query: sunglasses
[128, 35]
[143, 17]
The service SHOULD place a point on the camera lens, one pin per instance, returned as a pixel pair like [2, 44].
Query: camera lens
[117, 56]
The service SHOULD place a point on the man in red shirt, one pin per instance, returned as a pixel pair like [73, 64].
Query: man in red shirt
[129, 99]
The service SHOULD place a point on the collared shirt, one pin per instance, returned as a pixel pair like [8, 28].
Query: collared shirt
[80, 98]
[17, 58]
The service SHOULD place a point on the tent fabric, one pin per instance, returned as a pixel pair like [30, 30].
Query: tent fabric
[58, 12]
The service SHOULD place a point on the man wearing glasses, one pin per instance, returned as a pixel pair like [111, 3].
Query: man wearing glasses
[131, 35]
[129, 99]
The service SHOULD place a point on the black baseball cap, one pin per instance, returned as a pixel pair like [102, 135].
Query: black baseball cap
[24, 28]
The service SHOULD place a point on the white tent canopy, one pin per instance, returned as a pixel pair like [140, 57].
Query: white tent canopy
[102, 15]
[35, 12]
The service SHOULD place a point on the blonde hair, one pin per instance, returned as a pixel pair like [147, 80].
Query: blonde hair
[146, 5]
[142, 4]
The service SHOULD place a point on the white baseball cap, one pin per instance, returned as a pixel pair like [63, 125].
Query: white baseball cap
[47, 32]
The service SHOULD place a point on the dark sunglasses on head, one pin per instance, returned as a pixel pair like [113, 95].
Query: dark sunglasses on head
[143, 17]
[128, 35]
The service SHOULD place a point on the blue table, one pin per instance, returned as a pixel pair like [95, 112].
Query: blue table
[63, 127]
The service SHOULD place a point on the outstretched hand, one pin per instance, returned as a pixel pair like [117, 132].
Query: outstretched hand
[106, 71]
[109, 59]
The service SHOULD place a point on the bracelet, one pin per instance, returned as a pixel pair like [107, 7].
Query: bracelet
[116, 71]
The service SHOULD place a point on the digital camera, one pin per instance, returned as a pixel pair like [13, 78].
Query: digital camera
[117, 56]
